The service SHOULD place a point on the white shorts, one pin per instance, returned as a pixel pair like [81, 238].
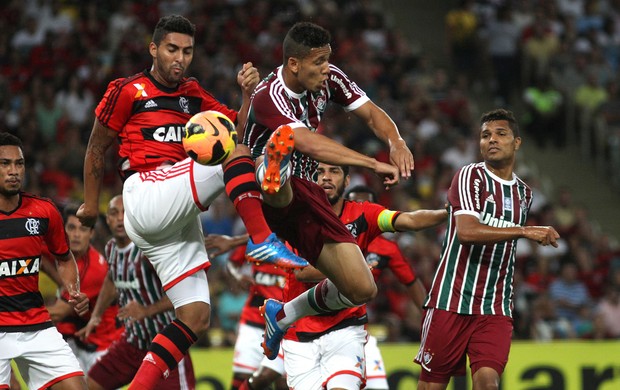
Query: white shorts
[42, 357]
[87, 359]
[193, 288]
[162, 210]
[335, 360]
[375, 369]
[249, 355]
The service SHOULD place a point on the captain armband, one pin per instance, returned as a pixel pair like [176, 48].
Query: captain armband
[386, 220]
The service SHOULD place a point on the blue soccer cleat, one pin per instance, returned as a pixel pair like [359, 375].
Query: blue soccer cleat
[278, 154]
[273, 251]
[273, 334]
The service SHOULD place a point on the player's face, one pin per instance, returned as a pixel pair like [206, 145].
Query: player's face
[497, 142]
[172, 58]
[12, 170]
[79, 235]
[313, 70]
[115, 218]
[332, 180]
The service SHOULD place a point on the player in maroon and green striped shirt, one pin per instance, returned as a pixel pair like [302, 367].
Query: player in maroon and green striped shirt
[468, 311]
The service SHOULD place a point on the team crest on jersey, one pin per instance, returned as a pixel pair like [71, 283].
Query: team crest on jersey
[427, 356]
[184, 103]
[33, 226]
[140, 90]
[508, 204]
[320, 102]
[352, 227]
[372, 259]
[19, 267]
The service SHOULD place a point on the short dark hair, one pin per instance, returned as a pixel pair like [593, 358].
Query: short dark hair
[70, 210]
[502, 114]
[303, 37]
[362, 189]
[172, 23]
[8, 139]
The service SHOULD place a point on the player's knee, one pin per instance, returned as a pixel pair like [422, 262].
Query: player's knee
[197, 320]
[363, 294]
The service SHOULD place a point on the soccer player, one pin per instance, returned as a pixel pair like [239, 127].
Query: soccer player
[164, 191]
[144, 309]
[93, 269]
[265, 281]
[285, 111]
[468, 311]
[27, 334]
[315, 361]
[330, 350]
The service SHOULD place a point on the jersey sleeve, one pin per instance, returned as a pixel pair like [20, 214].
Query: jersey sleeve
[114, 109]
[344, 91]
[272, 109]
[209, 102]
[399, 265]
[465, 191]
[380, 217]
[56, 238]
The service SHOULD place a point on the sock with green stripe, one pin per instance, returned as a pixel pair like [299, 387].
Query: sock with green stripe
[320, 299]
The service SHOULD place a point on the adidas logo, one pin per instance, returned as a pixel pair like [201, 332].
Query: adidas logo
[490, 199]
[150, 104]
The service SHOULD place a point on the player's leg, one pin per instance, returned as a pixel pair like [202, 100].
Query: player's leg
[270, 372]
[244, 192]
[247, 354]
[488, 350]
[375, 370]
[117, 367]
[191, 300]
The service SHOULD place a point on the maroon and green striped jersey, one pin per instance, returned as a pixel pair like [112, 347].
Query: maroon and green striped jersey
[477, 279]
[135, 280]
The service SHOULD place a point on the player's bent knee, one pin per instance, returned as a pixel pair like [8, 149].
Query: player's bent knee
[196, 316]
[361, 294]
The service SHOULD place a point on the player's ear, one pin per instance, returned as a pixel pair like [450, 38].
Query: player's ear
[153, 49]
[517, 143]
[293, 64]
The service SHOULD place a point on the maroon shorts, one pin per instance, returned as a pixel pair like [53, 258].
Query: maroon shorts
[447, 338]
[308, 222]
[118, 366]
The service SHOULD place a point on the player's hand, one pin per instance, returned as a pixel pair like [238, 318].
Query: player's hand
[217, 244]
[543, 235]
[87, 216]
[80, 302]
[401, 157]
[388, 172]
[133, 312]
[83, 333]
[248, 78]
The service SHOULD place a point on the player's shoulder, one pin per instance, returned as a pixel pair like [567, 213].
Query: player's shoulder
[122, 82]
[32, 200]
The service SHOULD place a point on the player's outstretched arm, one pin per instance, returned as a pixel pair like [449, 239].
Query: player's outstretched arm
[420, 219]
[217, 244]
[326, 150]
[471, 232]
[385, 129]
[67, 268]
[101, 138]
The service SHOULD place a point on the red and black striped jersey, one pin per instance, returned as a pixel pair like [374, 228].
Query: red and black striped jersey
[478, 279]
[383, 254]
[35, 223]
[268, 283]
[366, 221]
[273, 104]
[93, 269]
[149, 118]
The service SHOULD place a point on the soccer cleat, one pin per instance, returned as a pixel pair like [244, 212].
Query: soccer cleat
[277, 156]
[273, 334]
[273, 251]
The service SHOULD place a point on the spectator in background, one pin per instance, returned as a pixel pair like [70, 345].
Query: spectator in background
[545, 109]
[463, 43]
[568, 294]
[608, 309]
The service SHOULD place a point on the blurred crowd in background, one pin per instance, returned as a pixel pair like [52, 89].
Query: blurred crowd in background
[554, 62]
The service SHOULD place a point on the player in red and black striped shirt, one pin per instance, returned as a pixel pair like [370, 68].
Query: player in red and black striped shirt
[27, 335]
